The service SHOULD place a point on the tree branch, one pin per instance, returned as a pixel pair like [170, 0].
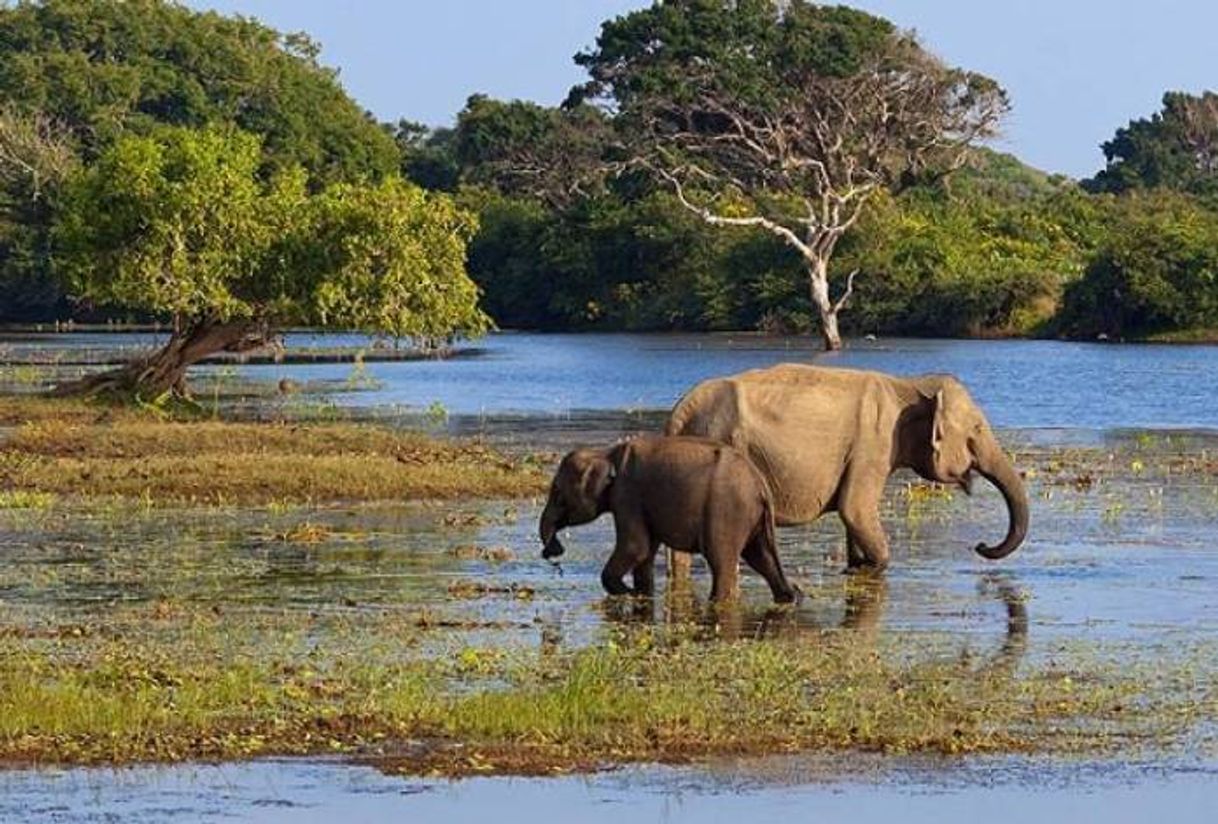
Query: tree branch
[841, 302]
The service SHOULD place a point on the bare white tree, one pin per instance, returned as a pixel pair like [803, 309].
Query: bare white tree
[35, 153]
[774, 135]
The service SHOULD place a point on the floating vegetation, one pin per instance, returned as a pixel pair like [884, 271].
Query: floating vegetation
[467, 590]
[493, 554]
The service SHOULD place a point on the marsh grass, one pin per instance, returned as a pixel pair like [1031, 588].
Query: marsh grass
[79, 449]
[170, 681]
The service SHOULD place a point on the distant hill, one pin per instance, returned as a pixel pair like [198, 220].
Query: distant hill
[1005, 178]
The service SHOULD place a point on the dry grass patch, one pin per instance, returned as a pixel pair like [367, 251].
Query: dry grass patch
[91, 451]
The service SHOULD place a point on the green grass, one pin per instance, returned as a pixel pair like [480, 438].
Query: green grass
[25, 499]
[188, 690]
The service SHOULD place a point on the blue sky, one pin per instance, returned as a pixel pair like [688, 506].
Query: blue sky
[1075, 69]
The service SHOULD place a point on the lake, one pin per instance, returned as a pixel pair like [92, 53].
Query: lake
[1020, 383]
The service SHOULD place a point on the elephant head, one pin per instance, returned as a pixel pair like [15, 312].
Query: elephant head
[955, 440]
[578, 494]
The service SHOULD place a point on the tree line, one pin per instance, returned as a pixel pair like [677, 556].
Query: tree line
[742, 165]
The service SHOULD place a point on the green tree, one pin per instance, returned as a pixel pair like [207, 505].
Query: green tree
[1175, 148]
[427, 156]
[90, 71]
[180, 223]
[1156, 271]
[103, 68]
[783, 116]
[527, 150]
[967, 266]
[36, 157]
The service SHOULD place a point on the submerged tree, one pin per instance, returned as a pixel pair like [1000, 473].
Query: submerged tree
[180, 224]
[783, 116]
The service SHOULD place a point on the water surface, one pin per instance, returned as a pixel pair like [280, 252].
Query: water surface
[857, 789]
[1020, 383]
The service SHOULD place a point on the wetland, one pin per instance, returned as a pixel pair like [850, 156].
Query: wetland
[349, 575]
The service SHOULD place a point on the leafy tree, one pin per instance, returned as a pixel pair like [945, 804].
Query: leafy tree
[427, 156]
[1002, 179]
[35, 158]
[180, 223]
[1175, 148]
[1156, 272]
[526, 150]
[960, 266]
[103, 68]
[784, 116]
[90, 71]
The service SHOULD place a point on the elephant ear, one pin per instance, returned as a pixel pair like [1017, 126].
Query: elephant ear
[597, 477]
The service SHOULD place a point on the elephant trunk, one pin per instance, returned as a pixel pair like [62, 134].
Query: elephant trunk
[551, 522]
[996, 468]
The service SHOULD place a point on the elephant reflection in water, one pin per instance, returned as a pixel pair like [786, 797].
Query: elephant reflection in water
[864, 603]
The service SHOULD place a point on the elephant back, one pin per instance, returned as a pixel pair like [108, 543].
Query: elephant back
[798, 424]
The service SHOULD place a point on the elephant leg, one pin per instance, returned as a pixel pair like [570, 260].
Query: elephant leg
[871, 544]
[680, 569]
[854, 555]
[860, 510]
[632, 549]
[760, 555]
[645, 573]
[725, 572]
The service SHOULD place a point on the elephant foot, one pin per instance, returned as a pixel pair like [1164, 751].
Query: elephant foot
[616, 586]
[865, 569]
[792, 596]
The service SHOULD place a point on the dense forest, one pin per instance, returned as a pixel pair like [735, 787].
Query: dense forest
[157, 162]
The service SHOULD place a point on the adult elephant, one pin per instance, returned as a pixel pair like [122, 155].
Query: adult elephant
[826, 440]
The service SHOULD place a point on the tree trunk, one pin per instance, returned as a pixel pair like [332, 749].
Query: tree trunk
[165, 370]
[818, 274]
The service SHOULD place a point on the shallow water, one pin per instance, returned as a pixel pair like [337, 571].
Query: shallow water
[857, 789]
[1129, 561]
[1021, 384]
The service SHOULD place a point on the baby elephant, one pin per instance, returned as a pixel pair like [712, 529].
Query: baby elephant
[693, 493]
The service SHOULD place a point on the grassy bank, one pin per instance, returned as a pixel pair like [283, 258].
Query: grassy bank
[80, 449]
[180, 685]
